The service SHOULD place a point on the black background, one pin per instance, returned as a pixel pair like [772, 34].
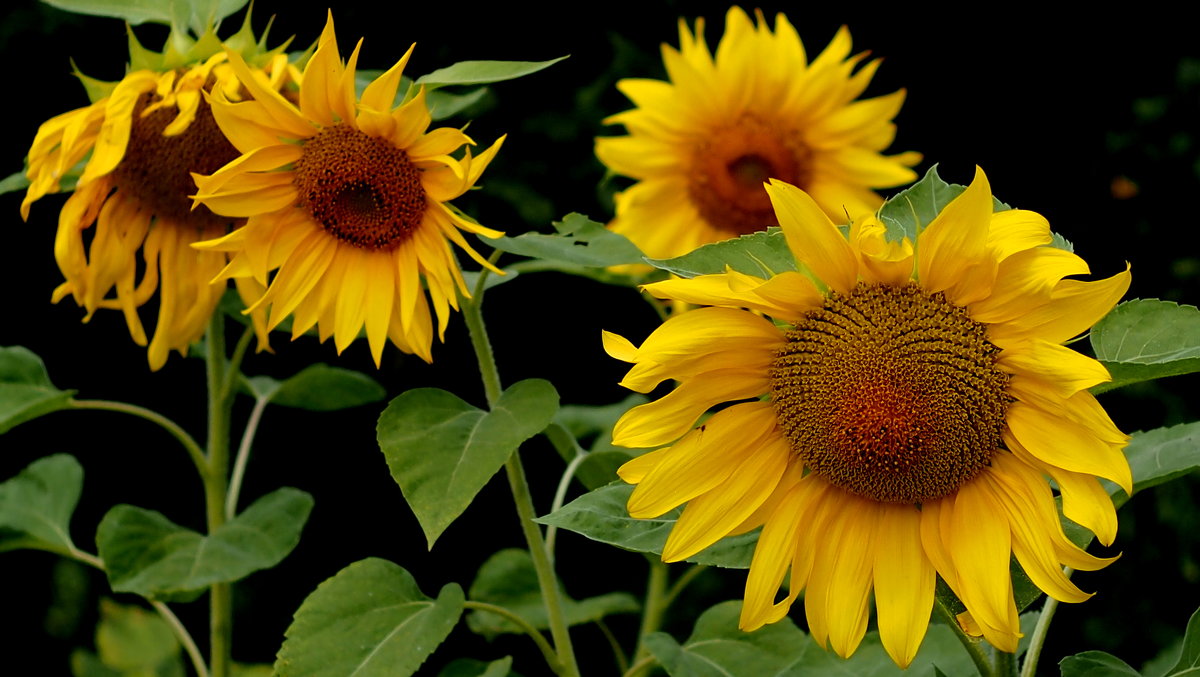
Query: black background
[1053, 107]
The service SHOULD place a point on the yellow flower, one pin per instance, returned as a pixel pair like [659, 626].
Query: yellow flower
[902, 421]
[144, 139]
[701, 145]
[347, 199]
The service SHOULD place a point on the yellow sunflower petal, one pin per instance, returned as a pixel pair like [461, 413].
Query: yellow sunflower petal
[956, 238]
[669, 417]
[982, 545]
[904, 581]
[813, 238]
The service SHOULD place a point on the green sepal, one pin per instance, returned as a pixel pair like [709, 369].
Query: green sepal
[369, 620]
[14, 182]
[36, 505]
[25, 388]
[601, 516]
[508, 579]
[482, 72]
[1147, 339]
[147, 554]
[442, 450]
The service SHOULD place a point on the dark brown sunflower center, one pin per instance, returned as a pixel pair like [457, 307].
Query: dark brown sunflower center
[362, 189]
[157, 169]
[891, 393]
[729, 168]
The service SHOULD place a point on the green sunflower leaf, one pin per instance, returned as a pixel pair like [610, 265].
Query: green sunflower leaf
[508, 579]
[321, 387]
[1147, 339]
[198, 14]
[132, 640]
[369, 620]
[579, 242]
[908, 212]
[469, 667]
[483, 72]
[1189, 653]
[444, 105]
[146, 553]
[25, 388]
[36, 505]
[601, 516]
[1161, 455]
[442, 451]
[762, 254]
[1095, 664]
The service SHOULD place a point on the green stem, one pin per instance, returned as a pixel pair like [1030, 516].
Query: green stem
[1038, 639]
[243, 457]
[185, 638]
[220, 401]
[526, 627]
[973, 646]
[1006, 663]
[639, 666]
[618, 652]
[189, 444]
[560, 495]
[652, 613]
[547, 581]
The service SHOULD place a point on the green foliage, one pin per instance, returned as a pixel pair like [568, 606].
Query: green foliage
[1146, 339]
[130, 642]
[579, 242]
[146, 553]
[1161, 455]
[718, 648]
[25, 388]
[369, 620]
[196, 14]
[482, 72]
[14, 182]
[508, 579]
[467, 667]
[1095, 664]
[441, 450]
[762, 254]
[36, 505]
[601, 516]
[319, 387]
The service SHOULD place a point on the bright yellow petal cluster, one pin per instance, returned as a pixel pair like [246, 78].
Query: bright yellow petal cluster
[701, 144]
[345, 201]
[140, 144]
[739, 470]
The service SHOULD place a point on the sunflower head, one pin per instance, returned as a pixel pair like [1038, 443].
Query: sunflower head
[131, 154]
[701, 144]
[898, 421]
[347, 203]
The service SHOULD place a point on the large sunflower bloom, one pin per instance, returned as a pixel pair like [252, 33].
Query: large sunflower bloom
[901, 423]
[144, 139]
[347, 199]
[701, 145]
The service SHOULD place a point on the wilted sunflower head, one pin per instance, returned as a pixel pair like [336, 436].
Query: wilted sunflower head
[701, 144]
[131, 154]
[898, 421]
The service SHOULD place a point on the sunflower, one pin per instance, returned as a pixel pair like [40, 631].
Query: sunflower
[898, 420]
[140, 143]
[348, 200]
[701, 145]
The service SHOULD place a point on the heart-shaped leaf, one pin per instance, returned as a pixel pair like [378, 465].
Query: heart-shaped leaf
[36, 505]
[442, 451]
[25, 388]
[146, 553]
[508, 579]
[370, 620]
